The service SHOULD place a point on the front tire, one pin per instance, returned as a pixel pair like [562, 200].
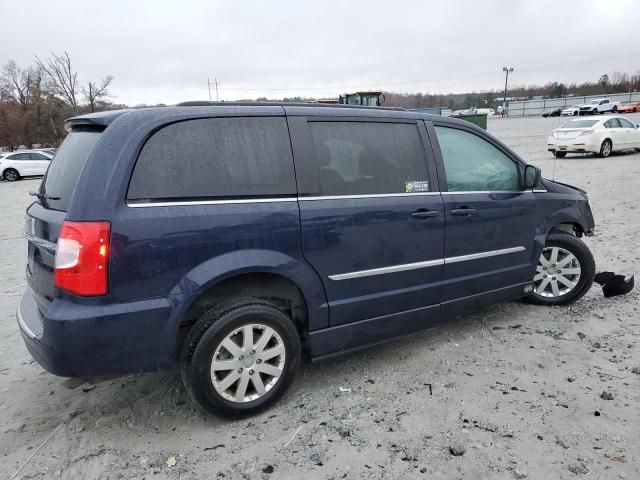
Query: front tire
[605, 148]
[565, 271]
[11, 175]
[240, 357]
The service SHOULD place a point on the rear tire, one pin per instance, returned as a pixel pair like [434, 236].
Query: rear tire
[11, 175]
[246, 379]
[605, 148]
[575, 276]
[560, 154]
[615, 109]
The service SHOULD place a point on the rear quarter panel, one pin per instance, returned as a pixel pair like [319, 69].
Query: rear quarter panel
[184, 250]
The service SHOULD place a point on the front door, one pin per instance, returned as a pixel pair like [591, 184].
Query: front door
[490, 222]
[372, 223]
[629, 133]
[616, 133]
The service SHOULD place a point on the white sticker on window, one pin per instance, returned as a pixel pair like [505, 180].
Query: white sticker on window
[416, 186]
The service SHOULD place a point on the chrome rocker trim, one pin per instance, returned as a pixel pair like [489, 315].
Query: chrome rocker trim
[428, 263]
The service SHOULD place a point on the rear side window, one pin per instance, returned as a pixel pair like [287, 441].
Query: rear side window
[62, 175]
[215, 157]
[365, 158]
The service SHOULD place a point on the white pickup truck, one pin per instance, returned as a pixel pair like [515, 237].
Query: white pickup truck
[599, 105]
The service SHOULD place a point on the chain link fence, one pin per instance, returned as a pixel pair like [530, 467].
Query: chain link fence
[538, 107]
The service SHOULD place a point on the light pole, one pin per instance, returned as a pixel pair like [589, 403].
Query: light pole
[215, 82]
[506, 79]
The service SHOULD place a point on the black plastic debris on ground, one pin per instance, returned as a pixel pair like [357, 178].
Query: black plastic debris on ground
[613, 284]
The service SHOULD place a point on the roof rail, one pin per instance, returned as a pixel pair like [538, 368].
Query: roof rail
[197, 103]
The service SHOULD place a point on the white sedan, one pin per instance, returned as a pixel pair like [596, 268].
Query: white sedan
[572, 110]
[601, 135]
[14, 165]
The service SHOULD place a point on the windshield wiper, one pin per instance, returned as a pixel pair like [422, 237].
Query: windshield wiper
[43, 196]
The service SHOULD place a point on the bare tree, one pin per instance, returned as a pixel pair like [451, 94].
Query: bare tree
[12, 125]
[17, 83]
[94, 92]
[61, 78]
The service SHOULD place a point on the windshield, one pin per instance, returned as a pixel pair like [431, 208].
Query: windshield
[580, 124]
[60, 180]
[594, 102]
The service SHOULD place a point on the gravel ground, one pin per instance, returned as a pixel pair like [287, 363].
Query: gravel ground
[515, 391]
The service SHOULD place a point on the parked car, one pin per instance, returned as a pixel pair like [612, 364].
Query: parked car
[556, 112]
[596, 135]
[475, 111]
[570, 111]
[599, 105]
[49, 151]
[183, 235]
[486, 111]
[629, 107]
[27, 163]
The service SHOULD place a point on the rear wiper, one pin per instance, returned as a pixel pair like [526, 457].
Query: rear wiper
[44, 196]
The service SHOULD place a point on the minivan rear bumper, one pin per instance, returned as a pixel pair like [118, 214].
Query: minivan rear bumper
[74, 340]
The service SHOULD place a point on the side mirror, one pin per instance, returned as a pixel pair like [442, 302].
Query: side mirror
[532, 176]
[637, 125]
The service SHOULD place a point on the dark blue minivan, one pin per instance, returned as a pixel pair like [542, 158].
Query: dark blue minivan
[231, 239]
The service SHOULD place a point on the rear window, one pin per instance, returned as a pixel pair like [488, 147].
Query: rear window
[580, 124]
[215, 158]
[63, 173]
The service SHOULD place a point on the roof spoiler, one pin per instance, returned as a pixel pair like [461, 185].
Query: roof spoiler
[98, 119]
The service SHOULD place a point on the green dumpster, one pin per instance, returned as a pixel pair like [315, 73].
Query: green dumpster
[479, 119]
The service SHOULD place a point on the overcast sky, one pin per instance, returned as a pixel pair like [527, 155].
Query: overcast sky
[163, 52]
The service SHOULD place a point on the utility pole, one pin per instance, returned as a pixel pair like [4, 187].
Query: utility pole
[504, 100]
[215, 82]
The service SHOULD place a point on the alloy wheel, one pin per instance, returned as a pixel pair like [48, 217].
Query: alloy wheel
[248, 363]
[557, 274]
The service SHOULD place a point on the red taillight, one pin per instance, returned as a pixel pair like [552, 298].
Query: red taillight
[82, 257]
